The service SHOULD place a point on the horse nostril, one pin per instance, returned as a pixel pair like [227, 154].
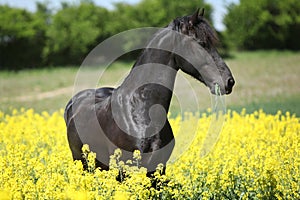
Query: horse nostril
[230, 82]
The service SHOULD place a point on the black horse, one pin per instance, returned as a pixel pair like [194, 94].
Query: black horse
[134, 115]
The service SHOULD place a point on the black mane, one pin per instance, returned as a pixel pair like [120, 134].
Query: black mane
[202, 31]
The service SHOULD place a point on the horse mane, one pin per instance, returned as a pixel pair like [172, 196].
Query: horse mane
[203, 30]
[205, 34]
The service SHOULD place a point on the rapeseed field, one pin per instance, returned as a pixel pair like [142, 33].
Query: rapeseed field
[257, 156]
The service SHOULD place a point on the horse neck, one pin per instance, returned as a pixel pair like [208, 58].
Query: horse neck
[143, 99]
[153, 75]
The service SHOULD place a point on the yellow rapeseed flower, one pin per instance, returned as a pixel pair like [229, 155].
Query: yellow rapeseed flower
[257, 156]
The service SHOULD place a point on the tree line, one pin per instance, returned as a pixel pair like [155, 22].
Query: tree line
[66, 36]
[263, 24]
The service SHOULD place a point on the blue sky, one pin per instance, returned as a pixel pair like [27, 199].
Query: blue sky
[219, 6]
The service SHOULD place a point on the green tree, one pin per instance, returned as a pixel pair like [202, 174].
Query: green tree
[73, 32]
[42, 38]
[264, 24]
[153, 13]
[161, 12]
[21, 38]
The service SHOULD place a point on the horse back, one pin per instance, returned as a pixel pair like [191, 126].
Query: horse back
[88, 97]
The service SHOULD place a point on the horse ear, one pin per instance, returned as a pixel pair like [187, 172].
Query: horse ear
[202, 12]
[194, 18]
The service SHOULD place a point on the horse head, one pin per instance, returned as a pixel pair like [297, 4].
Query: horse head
[197, 54]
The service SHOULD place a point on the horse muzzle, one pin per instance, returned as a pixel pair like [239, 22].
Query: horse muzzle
[221, 88]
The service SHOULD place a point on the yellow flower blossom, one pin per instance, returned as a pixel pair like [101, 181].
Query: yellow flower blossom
[257, 156]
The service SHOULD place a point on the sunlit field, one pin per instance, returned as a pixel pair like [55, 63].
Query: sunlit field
[256, 157]
[265, 80]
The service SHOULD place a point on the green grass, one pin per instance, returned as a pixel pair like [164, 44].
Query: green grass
[21, 89]
[265, 80]
[289, 104]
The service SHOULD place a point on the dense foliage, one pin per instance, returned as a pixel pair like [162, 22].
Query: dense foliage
[257, 157]
[22, 37]
[65, 37]
[264, 24]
